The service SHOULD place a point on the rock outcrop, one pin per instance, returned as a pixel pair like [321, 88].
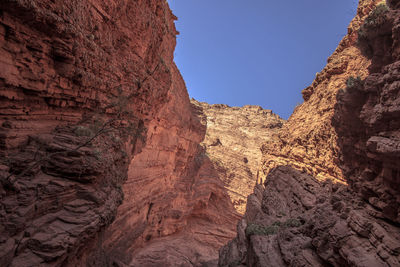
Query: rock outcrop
[295, 220]
[176, 209]
[105, 162]
[307, 141]
[346, 214]
[367, 117]
[233, 139]
[87, 86]
[65, 138]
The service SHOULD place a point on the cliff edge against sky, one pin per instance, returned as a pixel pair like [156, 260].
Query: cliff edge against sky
[106, 162]
[331, 193]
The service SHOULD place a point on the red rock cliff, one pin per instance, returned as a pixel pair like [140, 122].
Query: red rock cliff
[233, 139]
[302, 216]
[87, 86]
[176, 209]
[307, 141]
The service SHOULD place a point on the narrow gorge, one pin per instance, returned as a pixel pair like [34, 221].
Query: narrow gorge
[105, 161]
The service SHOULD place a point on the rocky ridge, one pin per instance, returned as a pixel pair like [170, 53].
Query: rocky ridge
[307, 141]
[94, 113]
[346, 215]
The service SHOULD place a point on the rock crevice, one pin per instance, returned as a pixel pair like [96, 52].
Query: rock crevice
[344, 210]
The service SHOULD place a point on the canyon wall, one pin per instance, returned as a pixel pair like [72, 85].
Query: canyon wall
[178, 204]
[176, 209]
[94, 113]
[233, 139]
[307, 141]
[105, 162]
[331, 194]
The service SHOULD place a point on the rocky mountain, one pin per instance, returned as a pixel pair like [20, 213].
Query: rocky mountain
[331, 195]
[307, 141]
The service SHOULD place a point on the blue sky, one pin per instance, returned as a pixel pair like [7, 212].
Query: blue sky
[257, 52]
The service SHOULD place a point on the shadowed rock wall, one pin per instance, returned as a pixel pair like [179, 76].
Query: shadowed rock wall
[343, 210]
[94, 113]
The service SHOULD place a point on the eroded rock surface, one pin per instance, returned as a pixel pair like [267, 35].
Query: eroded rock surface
[295, 220]
[85, 87]
[308, 141]
[367, 119]
[233, 139]
[309, 217]
[176, 209]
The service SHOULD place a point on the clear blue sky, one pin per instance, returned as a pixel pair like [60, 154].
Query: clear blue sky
[257, 52]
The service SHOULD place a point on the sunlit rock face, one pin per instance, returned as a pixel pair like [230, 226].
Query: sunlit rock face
[106, 162]
[233, 139]
[308, 142]
[331, 194]
[73, 70]
[176, 210]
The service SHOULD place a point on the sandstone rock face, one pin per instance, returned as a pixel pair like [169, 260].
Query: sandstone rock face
[176, 210]
[233, 139]
[298, 219]
[307, 141]
[367, 119]
[179, 204]
[87, 86]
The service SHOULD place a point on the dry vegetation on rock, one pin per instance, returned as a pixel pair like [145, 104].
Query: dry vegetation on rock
[106, 162]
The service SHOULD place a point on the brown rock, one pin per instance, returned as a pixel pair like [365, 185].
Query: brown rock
[87, 86]
[302, 222]
[305, 220]
[307, 141]
[173, 196]
[71, 71]
[370, 155]
[232, 142]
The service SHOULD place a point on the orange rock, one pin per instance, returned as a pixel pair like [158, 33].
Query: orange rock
[67, 71]
[233, 139]
[343, 132]
[307, 141]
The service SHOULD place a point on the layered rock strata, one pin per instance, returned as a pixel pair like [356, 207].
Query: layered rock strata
[233, 139]
[87, 86]
[176, 209]
[295, 220]
[298, 219]
[307, 141]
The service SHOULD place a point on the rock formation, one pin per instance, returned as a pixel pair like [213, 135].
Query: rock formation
[173, 199]
[233, 139]
[340, 208]
[106, 162]
[87, 86]
[94, 113]
[307, 141]
[176, 210]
